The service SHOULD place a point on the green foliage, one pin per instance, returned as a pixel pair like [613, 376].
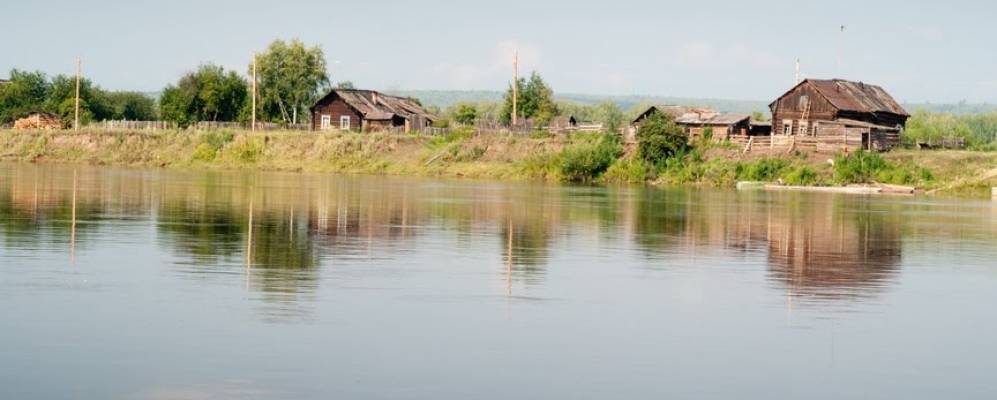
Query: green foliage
[345, 85]
[978, 130]
[453, 136]
[209, 94]
[801, 176]
[535, 101]
[94, 103]
[211, 144]
[26, 92]
[659, 138]
[708, 133]
[629, 170]
[585, 162]
[466, 114]
[291, 78]
[864, 167]
[132, 106]
[764, 170]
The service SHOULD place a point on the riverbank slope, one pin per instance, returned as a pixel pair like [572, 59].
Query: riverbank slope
[463, 154]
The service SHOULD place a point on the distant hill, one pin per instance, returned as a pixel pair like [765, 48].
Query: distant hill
[446, 98]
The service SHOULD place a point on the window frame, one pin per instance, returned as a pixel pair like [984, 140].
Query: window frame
[787, 127]
[345, 122]
[325, 122]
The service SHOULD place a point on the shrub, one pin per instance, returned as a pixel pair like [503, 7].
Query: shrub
[628, 170]
[659, 138]
[765, 170]
[801, 176]
[863, 167]
[588, 161]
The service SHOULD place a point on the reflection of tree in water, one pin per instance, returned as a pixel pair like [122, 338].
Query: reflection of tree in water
[207, 235]
[660, 218]
[829, 251]
[48, 217]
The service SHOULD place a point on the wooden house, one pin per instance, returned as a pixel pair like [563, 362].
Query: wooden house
[367, 110]
[563, 123]
[840, 109]
[696, 121]
[39, 120]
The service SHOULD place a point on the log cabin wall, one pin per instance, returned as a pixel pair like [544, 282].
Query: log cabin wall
[792, 106]
[336, 108]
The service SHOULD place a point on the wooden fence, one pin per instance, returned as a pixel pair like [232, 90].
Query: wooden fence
[203, 125]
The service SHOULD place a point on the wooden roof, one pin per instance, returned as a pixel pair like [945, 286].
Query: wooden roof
[855, 96]
[673, 110]
[377, 106]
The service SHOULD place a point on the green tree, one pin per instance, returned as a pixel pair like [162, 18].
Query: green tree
[291, 78]
[209, 94]
[345, 85]
[466, 114]
[26, 92]
[94, 104]
[535, 101]
[659, 138]
[611, 116]
[132, 106]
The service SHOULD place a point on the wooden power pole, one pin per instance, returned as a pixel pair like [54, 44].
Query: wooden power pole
[515, 87]
[76, 119]
[254, 92]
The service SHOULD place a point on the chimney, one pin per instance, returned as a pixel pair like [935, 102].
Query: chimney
[374, 94]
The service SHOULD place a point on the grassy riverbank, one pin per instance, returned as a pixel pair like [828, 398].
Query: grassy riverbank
[579, 157]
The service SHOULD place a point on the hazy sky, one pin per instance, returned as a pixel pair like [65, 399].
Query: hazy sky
[939, 51]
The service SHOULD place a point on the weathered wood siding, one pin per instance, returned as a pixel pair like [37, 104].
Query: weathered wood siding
[336, 108]
[792, 106]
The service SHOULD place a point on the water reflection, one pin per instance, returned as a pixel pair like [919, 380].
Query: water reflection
[283, 232]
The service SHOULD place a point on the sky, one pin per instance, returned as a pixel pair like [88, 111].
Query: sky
[920, 51]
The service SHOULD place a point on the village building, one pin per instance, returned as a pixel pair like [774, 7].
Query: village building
[697, 121]
[563, 123]
[859, 114]
[39, 120]
[367, 110]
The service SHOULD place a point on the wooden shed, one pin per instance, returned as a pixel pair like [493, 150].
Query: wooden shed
[839, 108]
[367, 110]
[695, 120]
[39, 120]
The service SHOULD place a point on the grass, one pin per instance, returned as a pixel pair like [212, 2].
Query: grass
[578, 157]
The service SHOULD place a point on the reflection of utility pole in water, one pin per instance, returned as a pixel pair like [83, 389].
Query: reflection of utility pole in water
[249, 240]
[508, 262]
[72, 227]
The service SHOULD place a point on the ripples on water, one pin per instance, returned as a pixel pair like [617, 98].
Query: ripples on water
[163, 284]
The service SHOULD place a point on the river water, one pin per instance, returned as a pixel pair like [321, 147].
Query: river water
[153, 284]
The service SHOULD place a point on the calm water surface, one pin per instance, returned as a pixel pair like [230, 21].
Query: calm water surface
[148, 284]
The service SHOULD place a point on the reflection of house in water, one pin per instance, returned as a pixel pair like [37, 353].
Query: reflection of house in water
[826, 251]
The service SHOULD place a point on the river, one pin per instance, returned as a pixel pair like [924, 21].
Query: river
[164, 284]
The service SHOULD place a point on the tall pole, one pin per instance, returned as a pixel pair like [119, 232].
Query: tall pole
[254, 92]
[76, 119]
[515, 87]
[797, 71]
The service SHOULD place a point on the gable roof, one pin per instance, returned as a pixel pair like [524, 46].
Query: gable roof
[377, 106]
[673, 110]
[854, 96]
[712, 118]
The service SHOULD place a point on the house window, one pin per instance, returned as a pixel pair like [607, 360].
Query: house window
[804, 128]
[326, 122]
[787, 127]
[804, 102]
[344, 123]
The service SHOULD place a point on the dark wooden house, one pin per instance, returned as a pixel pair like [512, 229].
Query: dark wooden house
[838, 108]
[367, 110]
[696, 121]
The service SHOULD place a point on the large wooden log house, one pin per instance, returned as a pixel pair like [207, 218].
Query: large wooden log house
[367, 110]
[859, 114]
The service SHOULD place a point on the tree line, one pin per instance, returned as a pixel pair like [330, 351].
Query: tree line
[290, 77]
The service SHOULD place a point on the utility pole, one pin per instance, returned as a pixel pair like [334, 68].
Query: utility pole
[797, 71]
[76, 119]
[254, 92]
[515, 87]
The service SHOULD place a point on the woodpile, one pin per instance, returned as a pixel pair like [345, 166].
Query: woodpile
[39, 120]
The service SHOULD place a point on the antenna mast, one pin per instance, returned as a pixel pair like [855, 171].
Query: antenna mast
[515, 88]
